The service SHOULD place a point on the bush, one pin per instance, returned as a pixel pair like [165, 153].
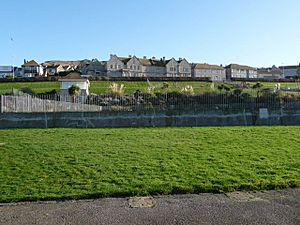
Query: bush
[74, 90]
[27, 90]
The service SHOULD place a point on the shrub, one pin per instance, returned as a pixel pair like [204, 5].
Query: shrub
[74, 90]
[27, 90]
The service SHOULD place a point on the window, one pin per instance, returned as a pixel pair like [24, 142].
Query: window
[119, 66]
[111, 66]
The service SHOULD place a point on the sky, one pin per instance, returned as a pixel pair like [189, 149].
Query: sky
[258, 33]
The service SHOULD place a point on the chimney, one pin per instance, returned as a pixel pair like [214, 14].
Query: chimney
[180, 59]
[129, 56]
[145, 57]
[25, 61]
[153, 58]
[164, 58]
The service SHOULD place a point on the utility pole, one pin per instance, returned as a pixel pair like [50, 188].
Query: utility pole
[13, 66]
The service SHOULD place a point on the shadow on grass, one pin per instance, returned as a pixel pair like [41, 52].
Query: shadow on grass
[176, 190]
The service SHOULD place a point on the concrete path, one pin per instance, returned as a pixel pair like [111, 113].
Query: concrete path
[282, 208]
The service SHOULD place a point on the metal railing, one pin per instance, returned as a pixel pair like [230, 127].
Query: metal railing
[143, 102]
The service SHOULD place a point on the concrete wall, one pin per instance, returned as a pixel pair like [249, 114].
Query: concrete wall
[150, 119]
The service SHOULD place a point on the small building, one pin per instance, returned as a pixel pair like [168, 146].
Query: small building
[31, 69]
[240, 71]
[74, 78]
[6, 71]
[212, 72]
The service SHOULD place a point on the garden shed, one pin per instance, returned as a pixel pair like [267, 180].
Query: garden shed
[74, 78]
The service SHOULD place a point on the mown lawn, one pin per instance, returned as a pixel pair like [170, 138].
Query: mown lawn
[40, 164]
[101, 87]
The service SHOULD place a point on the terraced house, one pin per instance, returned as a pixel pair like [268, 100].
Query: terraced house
[290, 71]
[272, 73]
[212, 72]
[240, 71]
[153, 67]
[142, 67]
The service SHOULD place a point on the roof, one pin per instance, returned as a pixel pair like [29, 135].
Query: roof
[62, 63]
[289, 67]
[124, 59]
[73, 76]
[240, 67]
[269, 71]
[208, 66]
[145, 62]
[31, 63]
[153, 62]
[6, 68]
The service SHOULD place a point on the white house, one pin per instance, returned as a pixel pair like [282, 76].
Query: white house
[269, 73]
[213, 72]
[240, 71]
[71, 79]
[32, 69]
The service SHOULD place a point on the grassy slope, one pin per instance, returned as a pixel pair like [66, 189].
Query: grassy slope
[100, 87]
[81, 163]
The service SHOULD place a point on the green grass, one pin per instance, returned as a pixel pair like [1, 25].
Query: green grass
[40, 164]
[100, 87]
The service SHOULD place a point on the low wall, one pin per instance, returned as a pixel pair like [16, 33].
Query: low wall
[150, 119]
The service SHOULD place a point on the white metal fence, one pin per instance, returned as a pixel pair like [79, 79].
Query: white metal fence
[140, 102]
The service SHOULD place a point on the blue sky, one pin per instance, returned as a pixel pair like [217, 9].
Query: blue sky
[257, 32]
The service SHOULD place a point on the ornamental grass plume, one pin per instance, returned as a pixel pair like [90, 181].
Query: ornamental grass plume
[188, 90]
[116, 89]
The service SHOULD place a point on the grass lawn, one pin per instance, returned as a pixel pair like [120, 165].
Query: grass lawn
[40, 164]
[100, 87]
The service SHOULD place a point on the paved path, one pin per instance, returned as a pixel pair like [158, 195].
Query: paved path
[272, 207]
